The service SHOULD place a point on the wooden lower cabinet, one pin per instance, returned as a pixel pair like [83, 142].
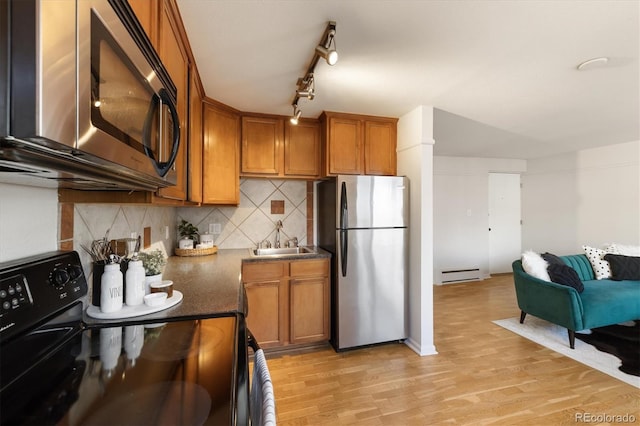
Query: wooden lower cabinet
[288, 301]
[264, 317]
[308, 310]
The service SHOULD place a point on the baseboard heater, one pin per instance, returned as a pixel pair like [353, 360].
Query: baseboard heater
[460, 275]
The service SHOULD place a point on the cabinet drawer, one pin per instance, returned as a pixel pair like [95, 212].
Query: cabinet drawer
[262, 271]
[301, 268]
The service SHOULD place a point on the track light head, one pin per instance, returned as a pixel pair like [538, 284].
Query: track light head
[309, 94]
[296, 115]
[329, 55]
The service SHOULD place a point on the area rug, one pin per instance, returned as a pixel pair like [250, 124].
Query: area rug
[555, 338]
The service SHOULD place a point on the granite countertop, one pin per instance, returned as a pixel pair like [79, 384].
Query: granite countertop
[211, 285]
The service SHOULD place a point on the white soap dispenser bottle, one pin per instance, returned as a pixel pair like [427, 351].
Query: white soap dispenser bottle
[111, 288]
[135, 277]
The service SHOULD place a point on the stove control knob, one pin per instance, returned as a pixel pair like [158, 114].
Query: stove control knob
[59, 277]
[75, 271]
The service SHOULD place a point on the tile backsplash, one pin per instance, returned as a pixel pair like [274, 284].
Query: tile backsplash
[93, 221]
[242, 226]
[254, 219]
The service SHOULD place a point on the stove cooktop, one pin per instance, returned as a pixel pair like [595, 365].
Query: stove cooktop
[57, 370]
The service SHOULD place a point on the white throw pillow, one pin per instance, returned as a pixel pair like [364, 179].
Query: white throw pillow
[625, 250]
[601, 267]
[534, 265]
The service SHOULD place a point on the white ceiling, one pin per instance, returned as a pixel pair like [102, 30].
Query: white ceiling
[501, 74]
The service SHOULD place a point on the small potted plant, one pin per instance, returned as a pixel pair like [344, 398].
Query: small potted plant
[189, 235]
[153, 263]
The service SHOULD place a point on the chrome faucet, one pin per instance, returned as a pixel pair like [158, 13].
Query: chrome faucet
[292, 242]
[276, 243]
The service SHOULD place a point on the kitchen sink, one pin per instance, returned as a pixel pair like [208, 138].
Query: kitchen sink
[284, 251]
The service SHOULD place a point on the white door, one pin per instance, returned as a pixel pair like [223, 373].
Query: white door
[504, 221]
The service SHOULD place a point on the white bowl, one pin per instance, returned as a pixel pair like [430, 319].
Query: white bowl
[155, 299]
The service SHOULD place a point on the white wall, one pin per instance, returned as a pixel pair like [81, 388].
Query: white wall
[415, 154]
[28, 221]
[587, 197]
[461, 210]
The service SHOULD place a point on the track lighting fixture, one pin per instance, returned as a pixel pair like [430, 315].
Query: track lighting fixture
[296, 115]
[305, 94]
[330, 55]
[306, 86]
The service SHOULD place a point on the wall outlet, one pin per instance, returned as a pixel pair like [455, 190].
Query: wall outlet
[215, 228]
[166, 232]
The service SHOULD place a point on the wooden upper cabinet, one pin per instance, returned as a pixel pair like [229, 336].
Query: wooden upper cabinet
[147, 13]
[272, 147]
[344, 146]
[302, 149]
[221, 155]
[261, 140]
[174, 57]
[194, 176]
[379, 148]
[359, 144]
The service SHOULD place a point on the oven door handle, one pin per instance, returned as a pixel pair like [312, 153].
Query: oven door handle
[155, 110]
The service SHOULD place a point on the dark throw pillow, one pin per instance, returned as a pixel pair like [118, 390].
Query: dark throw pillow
[552, 259]
[565, 275]
[623, 267]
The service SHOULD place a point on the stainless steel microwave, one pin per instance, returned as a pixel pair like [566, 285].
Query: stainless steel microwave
[90, 105]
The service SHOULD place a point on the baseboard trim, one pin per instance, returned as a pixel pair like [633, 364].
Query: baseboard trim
[414, 346]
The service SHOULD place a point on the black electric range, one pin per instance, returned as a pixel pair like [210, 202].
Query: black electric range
[57, 370]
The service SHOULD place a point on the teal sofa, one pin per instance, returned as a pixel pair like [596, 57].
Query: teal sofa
[603, 302]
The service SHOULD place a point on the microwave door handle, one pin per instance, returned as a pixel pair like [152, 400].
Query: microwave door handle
[175, 143]
[161, 154]
[152, 113]
[156, 107]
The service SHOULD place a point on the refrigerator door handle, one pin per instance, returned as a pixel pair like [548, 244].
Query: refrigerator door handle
[344, 242]
[344, 208]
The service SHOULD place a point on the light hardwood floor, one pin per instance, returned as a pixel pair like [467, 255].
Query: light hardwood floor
[482, 374]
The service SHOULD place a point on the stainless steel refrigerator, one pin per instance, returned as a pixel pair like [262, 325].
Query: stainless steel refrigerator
[363, 222]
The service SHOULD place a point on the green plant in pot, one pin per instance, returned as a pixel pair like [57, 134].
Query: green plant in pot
[189, 235]
[153, 263]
